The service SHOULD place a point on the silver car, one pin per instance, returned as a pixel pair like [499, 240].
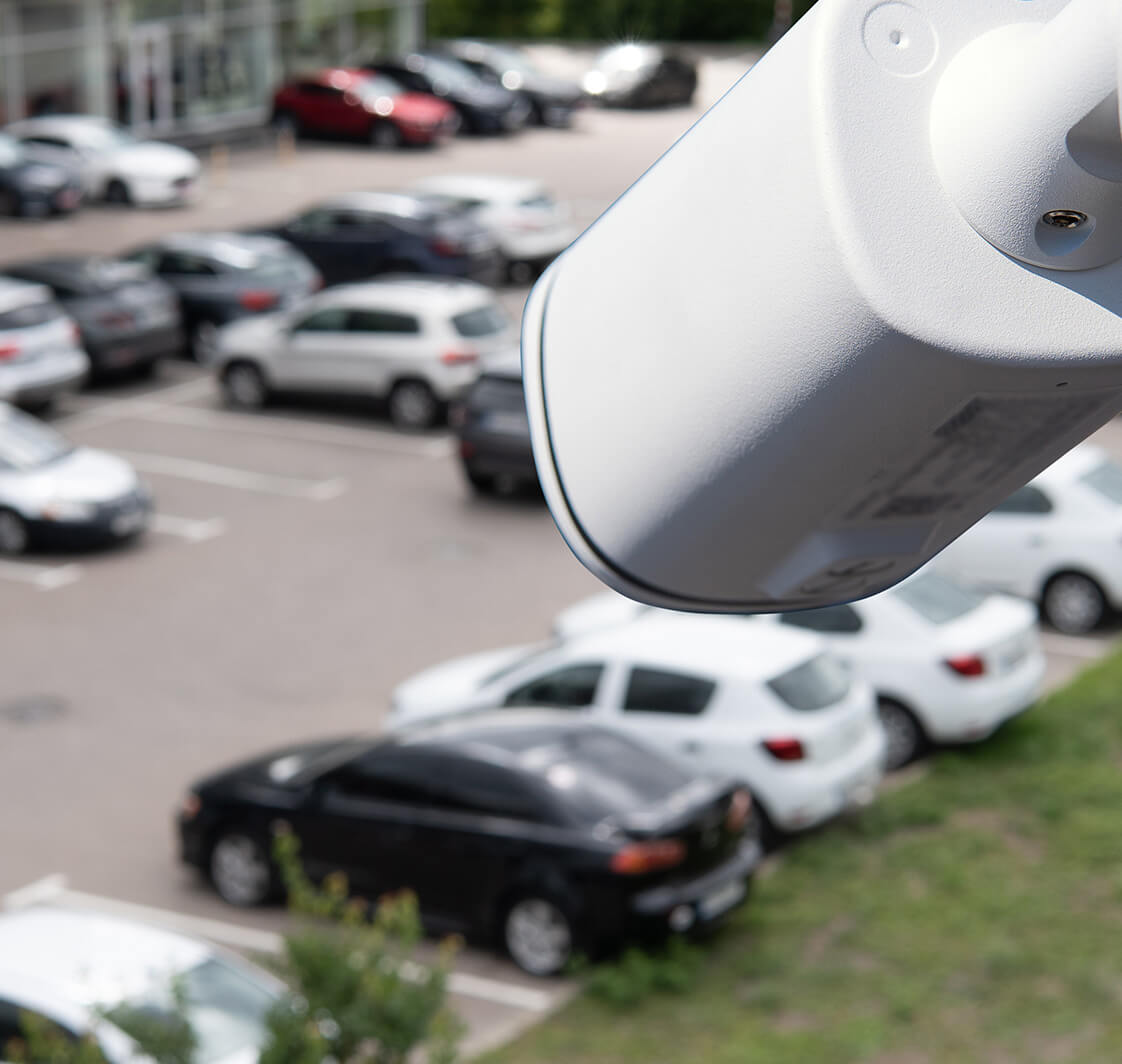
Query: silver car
[52, 492]
[40, 352]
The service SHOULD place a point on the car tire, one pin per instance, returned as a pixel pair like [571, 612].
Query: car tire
[481, 483]
[384, 136]
[904, 737]
[240, 869]
[413, 405]
[519, 272]
[1073, 603]
[538, 934]
[118, 192]
[244, 386]
[14, 534]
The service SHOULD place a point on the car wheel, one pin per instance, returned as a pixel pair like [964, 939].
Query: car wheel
[243, 385]
[519, 272]
[538, 935]
[385, 136]
[14, 536]
[204, 340]
[286, 124]
[240, 869]
[118, 192]
[413, 405]
[1073, 603]
[904, 738]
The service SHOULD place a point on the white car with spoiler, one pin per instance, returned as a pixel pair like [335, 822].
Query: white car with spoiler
[769, 706]
[948, 664]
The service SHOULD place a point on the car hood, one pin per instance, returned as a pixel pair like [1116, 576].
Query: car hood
[559, 89]
[420, 106]
[151, 159]
[451, 686]
[84, 475]
[492, 97]
[285, 766]
[253, 333]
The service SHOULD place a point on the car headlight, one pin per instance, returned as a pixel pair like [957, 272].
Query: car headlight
[68, 510]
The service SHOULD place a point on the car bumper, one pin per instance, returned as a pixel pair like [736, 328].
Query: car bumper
[135, 349]
[539, 248]
[42, 379]
[164, 192]
[119, 520]
[490, 454]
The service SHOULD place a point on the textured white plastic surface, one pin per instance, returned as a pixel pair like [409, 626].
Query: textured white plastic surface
[784, 369]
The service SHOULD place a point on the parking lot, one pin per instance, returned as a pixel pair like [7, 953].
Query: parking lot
[302, 562]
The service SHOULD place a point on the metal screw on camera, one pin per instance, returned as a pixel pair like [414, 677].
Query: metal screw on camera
[1064, 219]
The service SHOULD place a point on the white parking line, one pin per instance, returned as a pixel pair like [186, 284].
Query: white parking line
[1071, 647]
[118, 409]
[44, 577]
[228, 477]
[194, 531]
[53, 890]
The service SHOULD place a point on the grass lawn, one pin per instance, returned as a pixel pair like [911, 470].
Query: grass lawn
[974, 915]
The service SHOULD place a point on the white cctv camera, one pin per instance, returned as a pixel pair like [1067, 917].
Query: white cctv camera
[870, 293]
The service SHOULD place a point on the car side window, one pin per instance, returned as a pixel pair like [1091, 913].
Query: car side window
[382, 321]
[48, 142]
[184, 264]
[313, 88]
[836, 619]
[572, 687]
[658, 691]
[329, 319]
[1026, 500]
[11, 1026]
[395, 777]
[144, 256]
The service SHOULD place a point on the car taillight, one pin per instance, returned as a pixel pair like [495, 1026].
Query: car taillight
[255, 299]
[317, 282]
[967, 665]
[444, 246]
[8, 351]
[117, 320]
[785, 749]
[740, 805]
[459, 357]
[638, 858]
[191, 806]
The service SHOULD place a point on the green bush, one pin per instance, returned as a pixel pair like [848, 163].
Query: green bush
[637, 974]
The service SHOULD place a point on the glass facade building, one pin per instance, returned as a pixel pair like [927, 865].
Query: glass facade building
[167, 67]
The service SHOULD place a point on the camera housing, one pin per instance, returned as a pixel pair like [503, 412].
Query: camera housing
[871, 292]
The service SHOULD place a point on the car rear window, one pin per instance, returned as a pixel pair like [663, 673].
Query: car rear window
[482, 321]
[30, 314]
[937, 599]
[1106, 481]
[815, 684]
[281, 267]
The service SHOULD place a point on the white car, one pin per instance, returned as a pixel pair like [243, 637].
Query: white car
[948, 664]
[418, 342]
[529, 225]
[1057, 541]
[41, 356]
[115, 165]
[768, 706]
[69, 967]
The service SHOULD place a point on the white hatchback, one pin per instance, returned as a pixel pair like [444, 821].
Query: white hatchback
[1056, 541]
[768, 706]
[419, 342]
[948, 664]
[529, 225]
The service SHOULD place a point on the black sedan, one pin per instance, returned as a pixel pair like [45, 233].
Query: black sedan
[551, 100]
[494, 434]
[483, 106]
[526, 828]
[356, 236]
[33, 189]
[641, 75]
[221, 277]
[128, 318]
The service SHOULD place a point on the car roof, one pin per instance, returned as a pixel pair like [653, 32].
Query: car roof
[720, 646]
[88, 957]
[336, 77]
[224, 246]
[15, 293]
[408, 292]
[480, 186]
[1071, 466]
[399, 204]
[73, 124]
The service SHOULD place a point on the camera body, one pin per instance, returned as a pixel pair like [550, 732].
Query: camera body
[853, 308]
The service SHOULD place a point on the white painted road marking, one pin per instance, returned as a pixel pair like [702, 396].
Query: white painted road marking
[52, 890]
[118, 409]
[194, 531]
[44, 577]
[229, 477]
[1072, 647]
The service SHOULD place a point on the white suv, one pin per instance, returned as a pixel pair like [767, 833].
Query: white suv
[764, 704]
[418, 342]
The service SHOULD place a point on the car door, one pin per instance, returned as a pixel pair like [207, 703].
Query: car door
[196, 282]
[315, 352]
[575, 685]
[343, 244]
[1008, 549]
[384, 346]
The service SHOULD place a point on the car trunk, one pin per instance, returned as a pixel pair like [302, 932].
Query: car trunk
[1001, 632]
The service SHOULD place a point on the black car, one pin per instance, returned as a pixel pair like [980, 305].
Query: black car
[551, 100]
[366, 233]
[32, 189]
[483, 106]
[522, 827]
[221, 277]
[641, 75]
[494, 434]
[128, 318]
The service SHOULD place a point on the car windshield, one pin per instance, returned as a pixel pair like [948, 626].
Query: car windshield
[626, 57]
[26, 443]
[512, 59]
[449, 71]
[1106, 481]
[815, 684]
[522, 659]
[10, 152]
[376, 85]
[225, 1006]
[482, 321]
[937, 599]
[105, 137]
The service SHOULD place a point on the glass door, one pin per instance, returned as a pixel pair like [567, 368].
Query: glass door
[150, 79]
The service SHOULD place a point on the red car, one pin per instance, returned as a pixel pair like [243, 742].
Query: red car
[359, 103]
